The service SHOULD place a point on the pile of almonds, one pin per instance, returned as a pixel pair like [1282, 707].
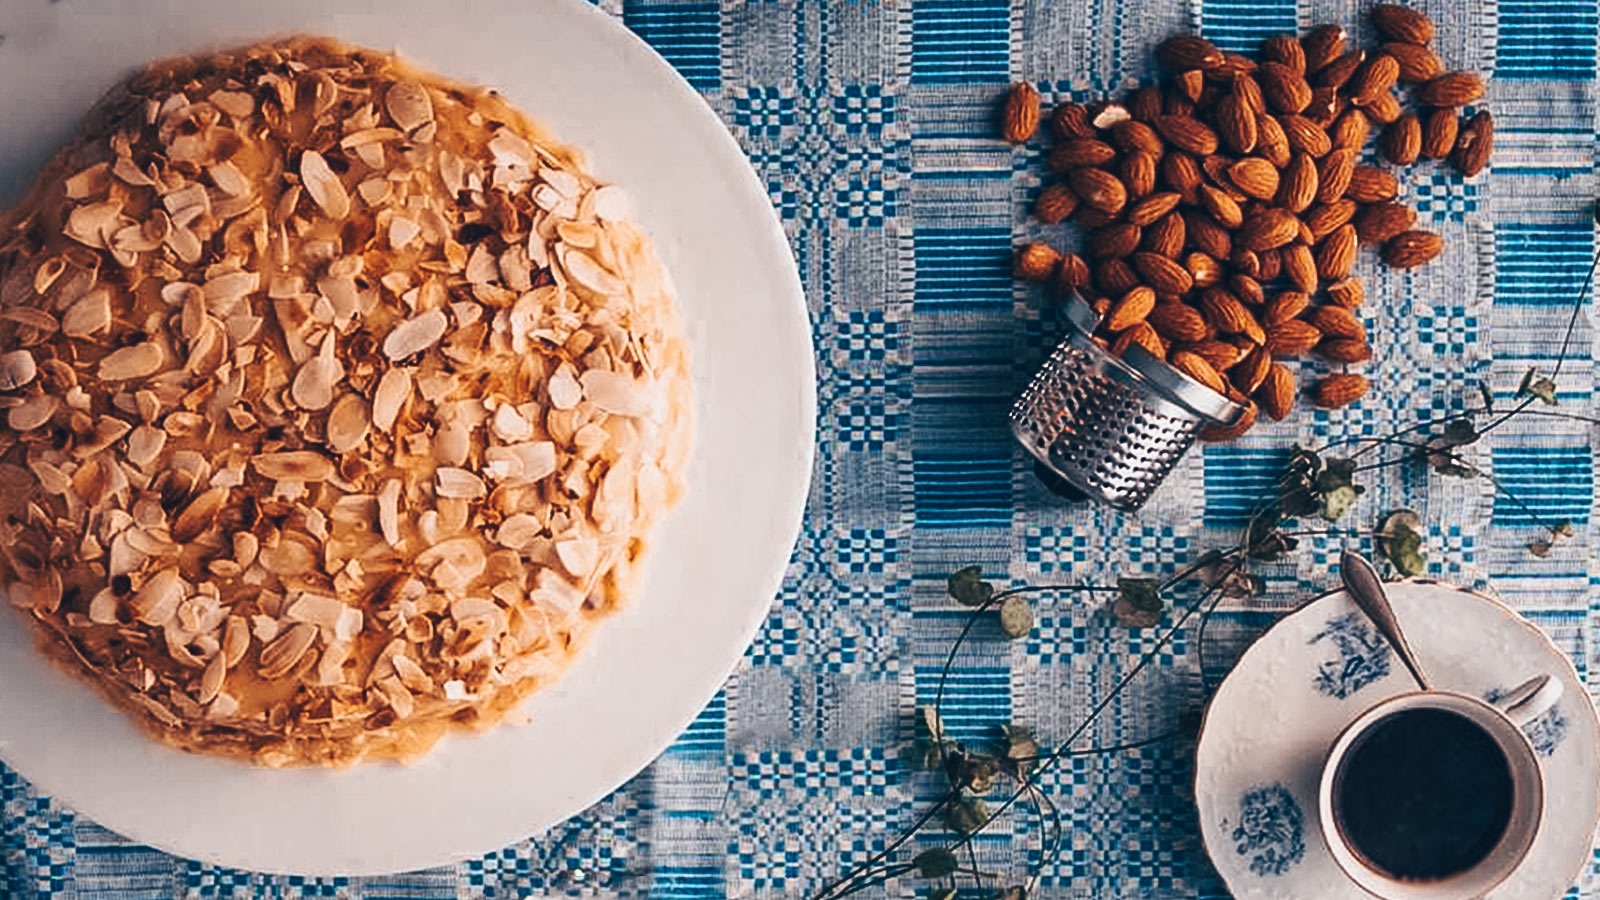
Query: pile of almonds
[1223, 212]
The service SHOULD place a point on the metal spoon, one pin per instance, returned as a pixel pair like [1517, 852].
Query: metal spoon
[1366, 588]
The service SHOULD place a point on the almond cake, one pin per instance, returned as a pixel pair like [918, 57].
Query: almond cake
[339, 402]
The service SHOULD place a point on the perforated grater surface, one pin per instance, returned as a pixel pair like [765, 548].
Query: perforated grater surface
[1112, 428]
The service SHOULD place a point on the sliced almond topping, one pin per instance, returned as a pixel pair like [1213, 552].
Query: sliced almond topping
[323, 185]
[157, 601]
[280, 657]
[318, 377]
[34, 412]
[415, 335]
[293, 465]
[389, 512]
[459, 483]
[348, 423]
[392, 392]
[16, 370]
[565, 391]
[408, 105]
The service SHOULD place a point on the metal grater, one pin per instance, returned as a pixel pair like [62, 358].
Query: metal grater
[1111, 428]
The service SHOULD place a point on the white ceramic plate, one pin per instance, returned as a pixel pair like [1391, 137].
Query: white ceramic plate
[716, 562]
[1270, 726]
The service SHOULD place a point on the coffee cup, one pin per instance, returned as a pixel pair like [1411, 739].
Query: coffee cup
[1435, 795]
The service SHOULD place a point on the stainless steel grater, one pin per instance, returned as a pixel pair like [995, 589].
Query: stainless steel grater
[1111, 428]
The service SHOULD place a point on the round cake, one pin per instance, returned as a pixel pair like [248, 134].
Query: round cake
[339, 402]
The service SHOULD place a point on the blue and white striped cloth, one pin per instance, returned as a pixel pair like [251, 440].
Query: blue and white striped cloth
[870, 123]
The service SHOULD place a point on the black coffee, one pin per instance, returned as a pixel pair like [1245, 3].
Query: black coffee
[1424, 794]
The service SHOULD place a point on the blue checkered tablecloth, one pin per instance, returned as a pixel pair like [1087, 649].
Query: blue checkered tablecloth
[869, 123]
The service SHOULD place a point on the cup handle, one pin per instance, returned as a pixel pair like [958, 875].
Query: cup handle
[1531, 699]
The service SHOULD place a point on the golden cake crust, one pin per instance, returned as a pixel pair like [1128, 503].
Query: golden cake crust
[339, 402]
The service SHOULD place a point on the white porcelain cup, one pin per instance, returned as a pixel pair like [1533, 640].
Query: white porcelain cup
[1502, 723]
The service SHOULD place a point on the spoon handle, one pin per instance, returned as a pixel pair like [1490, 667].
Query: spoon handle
[1366, 588]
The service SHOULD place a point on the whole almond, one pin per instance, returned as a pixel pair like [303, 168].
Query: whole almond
[1283, 306]
[1071, 120]
[1246, 261]
[1190, 83]
[1417, 63]
[1376, 76]
[1195, 366]
[1385, 108]
[1322, 219]
[1248, 374]
[1298, 187]
[1255, 177]
[1325, 106]
[1300, 266]
[1285, 50]
[1152, 208]
[1221, 206]
[1166, 236]
[1474, 144]
[1163, 273]
[1178, 322]
[1370, 184]
[1182, 173]
[1292, 338]
[1276, 393]
[1236, 125]
[1379, 222]
[1187, 51]
[1450, 89]
[1306, 135]
[1224, 311]
[1115, 277]
[1133, 307]
[1334, 391]
[1140, 334]
[1089, 217]
[1019, 113]
[1333, 174]
[1218, 434]
[1439, 132]
[1203, 270]
[1072, 276]
[1336, 73]
[1220, 354]
[1077, 152]
[1135, 136]
[1271, 141]
[1402, 23]
[1285, 90]
[1233, 65]
[1337, 254]
[1144, 104]
[1138, 173]
[1344, 350]
[1247, 288]
[1054, 204]
[1248, 90]
[1402, 140]
[1216, 168]
[1350, 129]
[1323, 45]
[1100, 189]
[1412, 248]
[1336, 322]
[1347, 292]
[1036, 261]
[1116, 239]
[1271, 265]
[1206, 235]
[1271, 227]
[1188, 134]
[1177, 105]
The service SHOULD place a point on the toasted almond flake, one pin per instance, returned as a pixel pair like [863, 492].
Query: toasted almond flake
[280, 656]
[184, 243]
[16, 369]
[509, 425]
[227, 177]
[238, 104]
[129, 173]
[369, 136]
[611, 204]
[156, 602]
[51, 479]
[103, 608]
[402, 231]
[223, 291]
[91, 313]
[408, 105]
[459, 483]
[138, 361]
[482, 266]
[90, 182]
[47, 273]
[34, 412]
[245, 547]
[145, 444]
[565, 390]
[323, 185]
[589, 274]
[211, 681]
[374, 191]
[415, 335]
[198, 517]
[90, 223]
[394, 388]
[518, 531]
[389, 511]
[293, 465]
[318, 377]
[578, 556]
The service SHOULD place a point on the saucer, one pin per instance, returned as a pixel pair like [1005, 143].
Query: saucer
[1274, 718]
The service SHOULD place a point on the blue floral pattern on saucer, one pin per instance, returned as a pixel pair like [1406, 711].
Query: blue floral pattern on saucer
[1363, 656]
[1271, 830]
